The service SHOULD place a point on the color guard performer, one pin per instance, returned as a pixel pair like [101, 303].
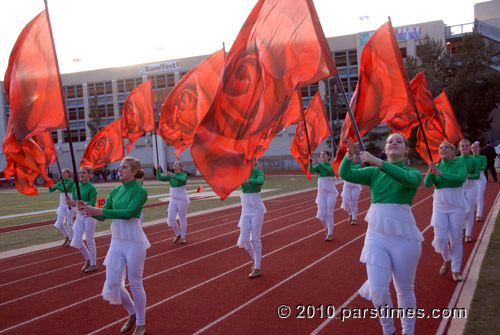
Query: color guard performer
[449, 207]
[64, 212]
[393, 242]
[350, 196]
[481, 182]
[179, 200]
[124, 205]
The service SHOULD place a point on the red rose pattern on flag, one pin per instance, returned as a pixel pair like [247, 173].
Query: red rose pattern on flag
[137, 115]
[434, 134]
[318, 129]
[447, 116]
[105, 147]
[383, 91]
[189, 101]
[32, 83]
[280, 48]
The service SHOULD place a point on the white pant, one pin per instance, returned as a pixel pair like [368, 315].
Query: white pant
[63, 212]
[470, 193]
[132, 255]
[448, 227]
[481, 187]
[177, 206]
[326, 205]
[397, 257]
[87, 226]
[350, 197]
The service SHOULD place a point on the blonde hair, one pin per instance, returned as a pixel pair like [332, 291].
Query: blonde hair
[136, 165]
[404, 138]
[68, 171]
[452, 147]
[179, 162]
[89, 169]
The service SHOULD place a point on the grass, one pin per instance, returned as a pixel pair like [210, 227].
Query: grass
[12, 202]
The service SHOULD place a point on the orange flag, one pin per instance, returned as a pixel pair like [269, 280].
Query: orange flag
[447, 116]
[292, 115]
[434, 134]
[28, 160]
[32, 83]
[317, 129]
[105, 147]
[425, 105]
[280, 48]
[383, 91]
[189, 101]
[137, 115]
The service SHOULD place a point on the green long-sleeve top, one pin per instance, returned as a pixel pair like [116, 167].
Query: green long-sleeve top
[393, 183]
[323, 169]
[68, 182]
[471, 165]
[177, 179]
[454, 175]
[255, 182]
[87, 191]
[483, 161]
[125, 202]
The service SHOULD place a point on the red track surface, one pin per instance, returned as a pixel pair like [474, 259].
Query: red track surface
[202, 286]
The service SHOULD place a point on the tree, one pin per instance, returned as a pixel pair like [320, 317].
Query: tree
[474, 89]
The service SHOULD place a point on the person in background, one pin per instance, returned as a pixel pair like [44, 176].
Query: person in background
[179, 200]
[449, 207]
[127, 251]
[84, 224]
[469, 187]
[64, 212]
[327, 191]
[252, 218]
[393, 243]
[490, 154]
[350, 196]
[481, 182]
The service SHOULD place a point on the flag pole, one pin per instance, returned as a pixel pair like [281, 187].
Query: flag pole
[63, 102]
[425, 137]
[60, 176]
[355, 126]
[332, 134]
[305, 129]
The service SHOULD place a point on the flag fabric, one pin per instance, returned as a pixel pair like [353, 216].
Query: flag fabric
[383, 91]
[292, 115]
[425, 107]
[447, 116]
[318, 129]
[280, 48]
[137, 115]
[28, 160]
[31, 83]
[189, 101]
[434, 134]
[105, 147]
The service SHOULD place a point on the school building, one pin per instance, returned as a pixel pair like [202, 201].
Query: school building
[100, 94]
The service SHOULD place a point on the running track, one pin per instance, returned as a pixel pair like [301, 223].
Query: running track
[202, 287]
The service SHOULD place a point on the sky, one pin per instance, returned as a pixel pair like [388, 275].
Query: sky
[94, 34]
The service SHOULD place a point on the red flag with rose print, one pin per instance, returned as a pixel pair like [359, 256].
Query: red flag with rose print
[32, 84]
[425, 107]
[383, 91]
[27, 160]
[105, 147]
[318, 129]
[434, 134]
[280, 48]
[447, 116]
[292, 115]
[137, 115]
[189, 101]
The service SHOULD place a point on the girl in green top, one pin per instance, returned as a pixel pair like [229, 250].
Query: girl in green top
[448, 212]
[179, 200]
[252, 218]
[393, 242]
[327, 191]
[85, 224]
[481, 182]
[469, 188]
[128, 243]
[64, 211]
